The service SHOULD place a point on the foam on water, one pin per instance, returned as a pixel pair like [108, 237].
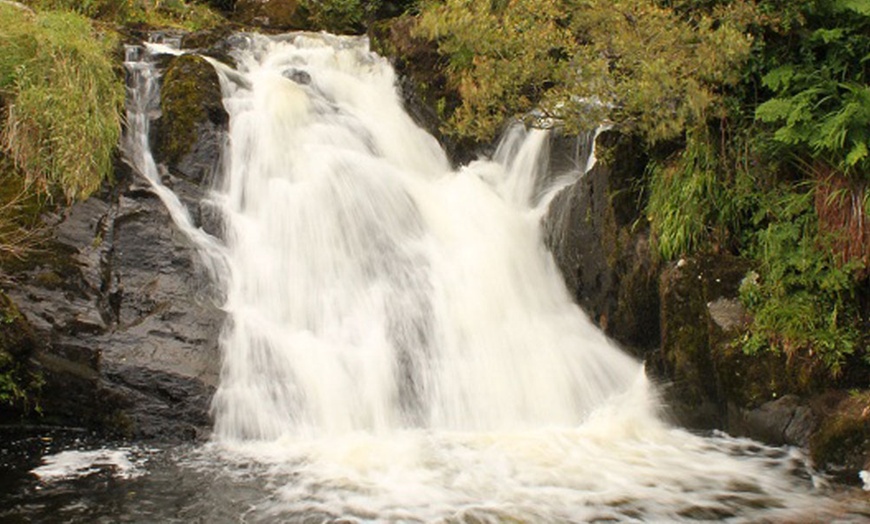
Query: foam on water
[73, 463]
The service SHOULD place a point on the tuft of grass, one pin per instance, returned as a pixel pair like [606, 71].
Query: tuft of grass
[62, 98]
[694, 204]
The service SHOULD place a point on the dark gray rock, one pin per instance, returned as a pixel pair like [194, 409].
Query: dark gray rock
[783, 421]
[599, 240]
[125, 318]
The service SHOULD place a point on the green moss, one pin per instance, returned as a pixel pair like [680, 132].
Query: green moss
[51, 257]
[685, 337]
[119, 423]
[190, 94]
[49, 280]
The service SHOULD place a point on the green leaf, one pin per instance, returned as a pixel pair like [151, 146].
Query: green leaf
[779, 79]
[859, 6]
[774, 110]
[827, 35]
[859, 152]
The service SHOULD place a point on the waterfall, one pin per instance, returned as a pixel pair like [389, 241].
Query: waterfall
[400, 346]
[373, 288]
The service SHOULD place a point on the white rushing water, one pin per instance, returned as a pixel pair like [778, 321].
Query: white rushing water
[400, 346]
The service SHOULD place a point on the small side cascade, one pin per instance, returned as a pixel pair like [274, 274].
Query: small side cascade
[143, 108]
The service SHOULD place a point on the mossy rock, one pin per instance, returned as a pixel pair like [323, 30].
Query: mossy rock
[51, 265]
[19, 382]
[191, 105]
[684, 358]
[843, 437]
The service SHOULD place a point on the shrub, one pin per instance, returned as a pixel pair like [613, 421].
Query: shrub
[641, 65]
[803, 301]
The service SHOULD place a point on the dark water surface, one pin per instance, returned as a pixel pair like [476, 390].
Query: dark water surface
[122, 482]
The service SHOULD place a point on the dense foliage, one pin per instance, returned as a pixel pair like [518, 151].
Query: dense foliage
[633, 62]
[757, 118]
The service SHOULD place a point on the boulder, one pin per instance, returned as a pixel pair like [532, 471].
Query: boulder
[191, 129]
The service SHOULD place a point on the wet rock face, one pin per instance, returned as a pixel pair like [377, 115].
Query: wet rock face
[600, 243]
[427, 94]
[124, 317]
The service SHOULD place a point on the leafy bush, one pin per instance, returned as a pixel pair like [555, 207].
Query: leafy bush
[803, 301]
[62, 98]
[639, 64]
[821, 101]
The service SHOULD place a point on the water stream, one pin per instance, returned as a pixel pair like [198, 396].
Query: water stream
[400, 346]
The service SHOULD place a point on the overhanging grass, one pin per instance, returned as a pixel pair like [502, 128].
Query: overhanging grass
[62, 100]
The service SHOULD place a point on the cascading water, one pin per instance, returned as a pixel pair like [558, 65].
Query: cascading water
[399, 344]
[371, 288]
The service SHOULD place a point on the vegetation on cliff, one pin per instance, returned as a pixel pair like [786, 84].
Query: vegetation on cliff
[756, 115]
[62, 100]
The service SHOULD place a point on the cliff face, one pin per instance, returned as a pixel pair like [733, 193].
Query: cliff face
[123, 317]
[685, 319]
[600, 241]
[124, 323]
